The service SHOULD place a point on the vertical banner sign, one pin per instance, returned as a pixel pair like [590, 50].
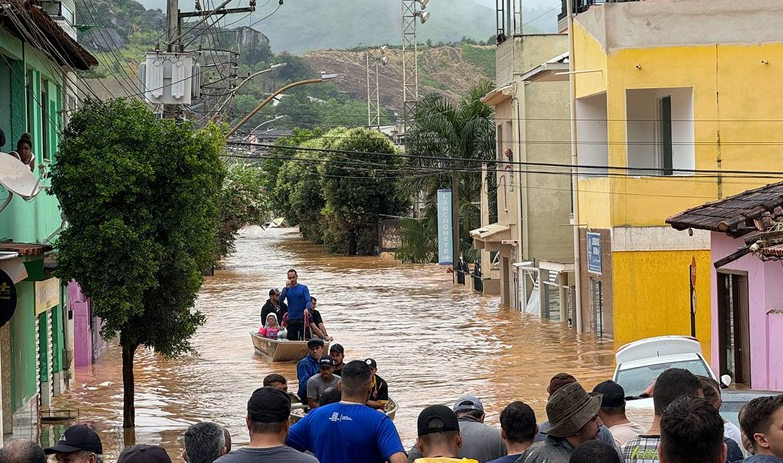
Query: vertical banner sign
[594, 253]
[445, 248]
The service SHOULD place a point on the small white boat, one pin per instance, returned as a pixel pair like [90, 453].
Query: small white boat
[297, 410]
[281, 350]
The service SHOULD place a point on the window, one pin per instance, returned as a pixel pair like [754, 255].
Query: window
[45, 120]
[665, 134]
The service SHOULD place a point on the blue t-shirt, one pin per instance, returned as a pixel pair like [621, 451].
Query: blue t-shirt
[344, 433]
[298, 299]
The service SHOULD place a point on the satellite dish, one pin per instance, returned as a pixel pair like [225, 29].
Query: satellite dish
[16, 176]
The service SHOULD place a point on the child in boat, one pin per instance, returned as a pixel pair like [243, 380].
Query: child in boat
[271, 328]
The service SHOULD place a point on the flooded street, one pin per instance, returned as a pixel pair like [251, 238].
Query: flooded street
[433, 342]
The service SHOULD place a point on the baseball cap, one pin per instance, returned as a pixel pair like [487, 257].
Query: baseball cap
[338, 348]
[468, 402]
[274, 291]
[143, 453]
[326, 362]
[371, 363]
[268, 405]
[315, 342]
[76, 438]
[436, 418]
[613, 394]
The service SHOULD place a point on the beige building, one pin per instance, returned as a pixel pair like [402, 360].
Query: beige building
[531, 244]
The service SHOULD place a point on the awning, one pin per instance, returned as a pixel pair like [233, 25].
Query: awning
[492, 233]
[554, 70]
[12, 264]
[498, 95]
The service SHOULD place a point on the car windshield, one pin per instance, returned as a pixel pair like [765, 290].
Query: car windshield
[635, 380]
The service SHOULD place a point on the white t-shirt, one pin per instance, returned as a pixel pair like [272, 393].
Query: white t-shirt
[622, 433]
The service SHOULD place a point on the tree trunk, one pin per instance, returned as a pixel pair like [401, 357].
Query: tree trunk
[128, 387]
[455, 223]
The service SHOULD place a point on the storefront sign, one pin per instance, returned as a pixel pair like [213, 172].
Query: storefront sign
[445, 248]
[47, 294]
[7, 298]
[594, 253]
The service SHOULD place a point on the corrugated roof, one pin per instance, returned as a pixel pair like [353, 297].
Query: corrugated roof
[26, 249]
[734, 215]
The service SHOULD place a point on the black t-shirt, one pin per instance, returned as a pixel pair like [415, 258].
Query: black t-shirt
[269, 308]
[380, 390]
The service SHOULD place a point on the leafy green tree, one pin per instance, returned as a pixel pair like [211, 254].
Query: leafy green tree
[298, 182]
[242, 202]
[361, 181]
[278, 200]
[141, 196]
[454, 141]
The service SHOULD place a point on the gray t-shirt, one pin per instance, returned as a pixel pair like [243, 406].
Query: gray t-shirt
[316, 386]
[280, 454]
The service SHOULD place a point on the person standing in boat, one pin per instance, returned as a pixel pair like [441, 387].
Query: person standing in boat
[298, 297]
[315, 323]
[309, 366]
[273, 305]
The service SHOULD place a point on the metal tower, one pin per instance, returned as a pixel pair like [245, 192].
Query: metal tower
[410, 65]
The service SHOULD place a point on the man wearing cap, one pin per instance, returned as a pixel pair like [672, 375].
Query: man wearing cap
[337, 352]
[439, 439]
[612, 412]
[670, 386]
[78, 444]
[309, 366]
[479, 441]
[273, 305]
[142, 453]
[22, 451]
[349, 431]
[268, 420]
[317, 384]
[379, 394]
[573, 419]
[298, 297]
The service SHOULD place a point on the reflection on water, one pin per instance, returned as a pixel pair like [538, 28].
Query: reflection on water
[433, 342]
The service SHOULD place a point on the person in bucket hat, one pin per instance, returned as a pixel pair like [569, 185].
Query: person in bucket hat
[573, 419]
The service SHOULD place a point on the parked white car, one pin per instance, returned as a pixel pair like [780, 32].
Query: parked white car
[640, 362]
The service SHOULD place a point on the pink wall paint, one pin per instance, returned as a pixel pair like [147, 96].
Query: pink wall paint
[765, 299]
[88, 344]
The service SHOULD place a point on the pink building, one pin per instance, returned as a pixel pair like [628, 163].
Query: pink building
[747, 283]
[87, 342]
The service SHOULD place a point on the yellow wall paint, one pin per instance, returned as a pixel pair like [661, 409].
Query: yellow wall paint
[651, 295]
[589, 55]
[594, 203]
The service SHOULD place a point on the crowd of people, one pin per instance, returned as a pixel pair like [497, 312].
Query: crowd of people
[581, 427]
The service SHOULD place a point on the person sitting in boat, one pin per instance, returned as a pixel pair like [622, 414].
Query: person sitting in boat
[315, 323]
[337, 352]
[379, 394]
[330, 395]
[309, 366]
[317, 384]
[270, 328]
[274, 305]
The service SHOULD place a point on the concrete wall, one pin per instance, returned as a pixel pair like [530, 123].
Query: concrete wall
[765, 304]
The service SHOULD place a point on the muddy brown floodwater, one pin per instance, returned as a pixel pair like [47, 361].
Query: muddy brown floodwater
[433, 342]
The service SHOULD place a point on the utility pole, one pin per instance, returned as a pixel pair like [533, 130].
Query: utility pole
[172, 42]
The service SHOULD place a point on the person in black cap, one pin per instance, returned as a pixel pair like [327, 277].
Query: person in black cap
[78, 444]
[379, 394]
[274, 305]
[268, 420]
[309, 366]
[439, 437]
[337, 352]
[143, 453]
[612, 412]
[317, 384]
[22, 451]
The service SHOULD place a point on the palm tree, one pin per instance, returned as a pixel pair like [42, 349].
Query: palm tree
[451, 143]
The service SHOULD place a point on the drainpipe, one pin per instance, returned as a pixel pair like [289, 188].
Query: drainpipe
[574, 169]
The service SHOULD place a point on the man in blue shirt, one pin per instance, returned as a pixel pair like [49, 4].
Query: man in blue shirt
[298, 297]
[309, 366]
[349, 430]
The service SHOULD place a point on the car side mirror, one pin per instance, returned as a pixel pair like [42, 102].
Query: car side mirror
[725, 381]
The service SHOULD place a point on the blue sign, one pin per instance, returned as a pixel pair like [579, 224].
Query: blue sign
[445, 248]
[594, 253]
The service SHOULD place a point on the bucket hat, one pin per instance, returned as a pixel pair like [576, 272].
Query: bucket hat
[570, 408]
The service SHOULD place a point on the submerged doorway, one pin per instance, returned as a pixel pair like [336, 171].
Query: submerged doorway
[733, 326]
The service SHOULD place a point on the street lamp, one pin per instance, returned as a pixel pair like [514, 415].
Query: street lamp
[233, 91]
[324, 77]
[374, 99]
[410, 64]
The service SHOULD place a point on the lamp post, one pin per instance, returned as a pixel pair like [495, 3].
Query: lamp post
[410, 64]
[247, 79]
[373, 94]
[323, 78]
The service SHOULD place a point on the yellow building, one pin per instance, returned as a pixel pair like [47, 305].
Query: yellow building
[672, 98]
